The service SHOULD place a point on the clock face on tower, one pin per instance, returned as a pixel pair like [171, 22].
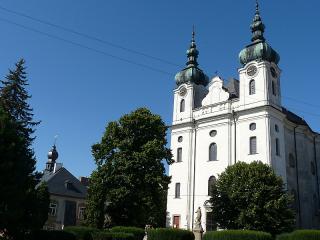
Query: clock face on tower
[252, 70]
[183, 91]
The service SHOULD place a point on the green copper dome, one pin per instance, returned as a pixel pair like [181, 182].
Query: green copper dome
[192, 74]
[258, 49]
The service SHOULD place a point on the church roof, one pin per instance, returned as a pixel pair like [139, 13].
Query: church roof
[63, 183]
[233, 88]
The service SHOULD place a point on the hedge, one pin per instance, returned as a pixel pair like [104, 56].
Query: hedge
[300, 235]
[51, 235]
[138, 233]
[81, 233]
[169, 234]
[112, 236]
[237, 235]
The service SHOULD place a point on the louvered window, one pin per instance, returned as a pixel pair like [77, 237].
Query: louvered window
[213, 152]
[253, 145]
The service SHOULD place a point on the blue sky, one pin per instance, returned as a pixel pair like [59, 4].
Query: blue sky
[77, 88]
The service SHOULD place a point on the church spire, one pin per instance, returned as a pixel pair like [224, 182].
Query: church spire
[192, 52]
[257, 27]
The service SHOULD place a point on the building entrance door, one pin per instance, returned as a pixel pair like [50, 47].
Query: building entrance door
[176, 221]
[70, 213]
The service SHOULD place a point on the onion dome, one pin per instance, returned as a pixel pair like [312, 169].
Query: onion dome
[192, 74]
[259, 49]
[53, 154]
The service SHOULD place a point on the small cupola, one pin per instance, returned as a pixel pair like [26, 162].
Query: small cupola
[191, 73]
[259, 49]
[52, 157]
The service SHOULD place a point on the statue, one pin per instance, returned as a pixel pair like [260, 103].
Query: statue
[147, 227]
[197, 221]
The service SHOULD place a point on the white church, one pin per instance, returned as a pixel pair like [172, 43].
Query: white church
[216, 125]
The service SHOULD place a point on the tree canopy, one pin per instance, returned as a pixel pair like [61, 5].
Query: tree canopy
[22, 207]
[251, 196]
[130, 180]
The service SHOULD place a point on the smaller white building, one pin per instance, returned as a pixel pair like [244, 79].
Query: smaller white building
[216, 125]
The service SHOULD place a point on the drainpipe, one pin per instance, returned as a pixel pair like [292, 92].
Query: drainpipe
[194, 171]
[297, 174]
[235, 135]
[316, 165]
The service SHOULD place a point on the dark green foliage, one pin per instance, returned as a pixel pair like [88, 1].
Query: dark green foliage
[51, 235]
[251, 196]
[237, 235]
[169, 234]
[300, 235]
[22, 207]
[138, 233]
[129, 186]
[81, 233]
[112, 236]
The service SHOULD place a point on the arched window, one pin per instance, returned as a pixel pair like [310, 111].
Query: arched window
[273, 88]
[253, 145]
[212, 180]
[179, 155]
[277, 147]
[252, 87]
[177, 191]
[182, 105]
[213, 152]
[292, 162]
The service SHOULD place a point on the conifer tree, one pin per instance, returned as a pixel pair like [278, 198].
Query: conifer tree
[22, 206]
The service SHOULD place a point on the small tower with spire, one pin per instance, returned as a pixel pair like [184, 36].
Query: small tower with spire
[190, 87]
[260, 74]
[52, 157]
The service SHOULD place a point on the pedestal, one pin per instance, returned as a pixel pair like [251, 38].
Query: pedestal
[198, 234]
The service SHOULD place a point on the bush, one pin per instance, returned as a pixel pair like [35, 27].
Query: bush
[237, 235]
[301, 235]
[51, 235]
[81, 233]
[112, 236]
[169, 234]
[138, 233]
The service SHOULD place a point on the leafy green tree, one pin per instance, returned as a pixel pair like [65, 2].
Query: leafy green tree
[251, 196]
[130, 180]
[22, 206]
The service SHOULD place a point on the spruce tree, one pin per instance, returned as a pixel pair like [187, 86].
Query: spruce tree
[22, 206]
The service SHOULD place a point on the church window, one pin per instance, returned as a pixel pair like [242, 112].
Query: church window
[210, 223]
[212, 180]
[253, 145]
[292, 162]
[213, 152]
[177, 191]
[213, 133]
[179, 155]
[252, 87]
[313, 168]
[182, 105]
[276, 127]
[252, 126]
[273, 85]
[294, 202]
[277, 147]
[53, 209]
[81, 212]
[180, 139]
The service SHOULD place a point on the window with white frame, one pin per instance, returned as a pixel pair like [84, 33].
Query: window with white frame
[81, 212]
[213, 152]
[177, 191]
[53, 209]
[179, 154]
[277, 147]
[253, 145]
[182, 105]
[252, 87]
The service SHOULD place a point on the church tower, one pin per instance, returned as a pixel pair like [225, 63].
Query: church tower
[260, 74]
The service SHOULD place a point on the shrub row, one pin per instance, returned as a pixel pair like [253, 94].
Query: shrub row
[138, 233]
[104, 235]
[51, 235]
[169, 234]
[300, 235]
[81, 233]
[237, 235]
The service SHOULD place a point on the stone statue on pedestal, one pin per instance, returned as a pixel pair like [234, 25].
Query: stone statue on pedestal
[198, 230]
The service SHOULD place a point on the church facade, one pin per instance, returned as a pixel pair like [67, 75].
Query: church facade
[216, 125]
